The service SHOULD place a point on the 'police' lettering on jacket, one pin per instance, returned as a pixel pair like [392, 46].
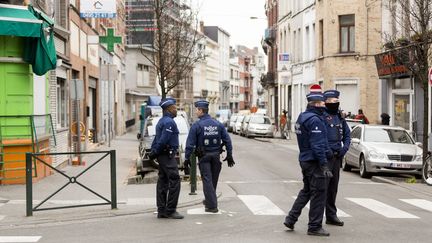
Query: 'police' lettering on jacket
[210, 130]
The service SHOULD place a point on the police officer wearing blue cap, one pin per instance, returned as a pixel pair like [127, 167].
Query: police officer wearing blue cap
[311, 134]
[338, 135]
[206, 138]
[164, 148]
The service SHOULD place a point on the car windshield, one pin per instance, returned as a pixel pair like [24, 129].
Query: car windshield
[387, 135]
[240, 119]
[260, 120]
[180, 121]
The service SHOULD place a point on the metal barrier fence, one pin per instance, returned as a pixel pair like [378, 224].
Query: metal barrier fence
[72, 180]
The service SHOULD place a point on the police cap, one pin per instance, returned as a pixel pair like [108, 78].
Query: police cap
[331, 94]
[202, 104]
[167, 102]
[315, 96]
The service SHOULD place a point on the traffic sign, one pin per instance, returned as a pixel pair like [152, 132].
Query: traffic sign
[430, 76]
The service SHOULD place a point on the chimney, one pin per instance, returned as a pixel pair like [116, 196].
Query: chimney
[202, 26]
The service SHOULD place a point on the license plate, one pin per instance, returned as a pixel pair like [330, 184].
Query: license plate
[400, 165]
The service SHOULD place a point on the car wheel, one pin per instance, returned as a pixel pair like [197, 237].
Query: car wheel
[345, 165]
[363, 170]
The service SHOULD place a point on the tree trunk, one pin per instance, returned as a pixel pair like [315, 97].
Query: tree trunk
[425, 119]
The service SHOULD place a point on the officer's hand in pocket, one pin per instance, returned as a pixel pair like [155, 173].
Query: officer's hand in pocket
[152, 155]
[327, 173]
[229, 160]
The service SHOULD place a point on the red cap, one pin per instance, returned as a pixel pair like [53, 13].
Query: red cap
[315, 88]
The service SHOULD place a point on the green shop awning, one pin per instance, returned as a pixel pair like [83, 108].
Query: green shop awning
[19, 21]
[37, 29]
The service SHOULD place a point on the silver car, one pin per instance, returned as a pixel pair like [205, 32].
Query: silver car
[259, 126]
[238, 124]
[232, 121]
[382, 149]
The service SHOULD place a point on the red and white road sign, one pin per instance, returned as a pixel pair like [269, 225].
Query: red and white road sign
[430, 76]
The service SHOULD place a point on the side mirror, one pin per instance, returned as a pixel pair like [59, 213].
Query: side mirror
[355, 140]
[419, 144]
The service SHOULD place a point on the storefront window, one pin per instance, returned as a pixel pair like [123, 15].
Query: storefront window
[402, 83]
[402, 111]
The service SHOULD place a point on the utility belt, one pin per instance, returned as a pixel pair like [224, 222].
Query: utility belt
[169, 152]
[201, 152]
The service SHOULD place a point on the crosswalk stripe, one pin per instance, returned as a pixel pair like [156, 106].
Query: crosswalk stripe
[340, 213]
[421, 203]
[260, 205]
[2, 217]
[4, 239]
[200, 211]
[382, 208]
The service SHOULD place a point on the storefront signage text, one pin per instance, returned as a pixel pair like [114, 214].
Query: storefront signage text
[390, 65]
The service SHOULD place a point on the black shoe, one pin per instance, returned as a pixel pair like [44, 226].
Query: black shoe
[161, 216]
[318, 232]
[334, 221]
[175, 215]
[212, 210]
[204, 202]
[289, 225]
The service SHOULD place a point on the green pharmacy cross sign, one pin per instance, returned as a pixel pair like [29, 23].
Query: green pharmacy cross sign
[110, 39]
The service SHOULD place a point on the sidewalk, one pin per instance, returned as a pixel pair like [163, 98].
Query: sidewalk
[131, 199]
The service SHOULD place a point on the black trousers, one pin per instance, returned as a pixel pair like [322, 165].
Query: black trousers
[210, 168]
[332, 189]
[168, 185]
[314, 189]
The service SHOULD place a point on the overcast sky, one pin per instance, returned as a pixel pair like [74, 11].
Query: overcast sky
[234, 17]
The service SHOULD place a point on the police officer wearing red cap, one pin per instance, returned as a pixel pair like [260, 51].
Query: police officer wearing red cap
[338, 135]
[164, 148]
[206, 138]
[311, 134]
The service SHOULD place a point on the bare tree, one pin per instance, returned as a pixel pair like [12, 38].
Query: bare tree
[412, 19]
[175, 42]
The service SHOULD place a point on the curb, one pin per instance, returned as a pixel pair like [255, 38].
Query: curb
[395, 183]
[31, 222]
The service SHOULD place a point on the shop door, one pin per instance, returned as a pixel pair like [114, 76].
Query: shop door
[402, 110]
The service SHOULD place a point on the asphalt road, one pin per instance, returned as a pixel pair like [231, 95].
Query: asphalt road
[256, 195]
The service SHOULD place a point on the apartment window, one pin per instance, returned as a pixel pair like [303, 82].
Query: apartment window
[307, 41]
[62, 120]
[294, 46]
[300, 45]
[321, 37]
[232, 74]
[347, 33]
[143, 75]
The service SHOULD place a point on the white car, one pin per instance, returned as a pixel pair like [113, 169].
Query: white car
[260, 126]
[232, 122]
[238, 124]
[386, 149]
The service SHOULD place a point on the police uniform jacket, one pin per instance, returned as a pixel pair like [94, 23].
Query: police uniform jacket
[208, 134]
[166, 138]
[312, 136]
[338, 133]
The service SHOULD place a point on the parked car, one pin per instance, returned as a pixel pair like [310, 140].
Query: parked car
[383, 149]
[223, 116]
[353, 122]
[260, 126]
[232, 122]
[244, 125]
[144, 163]
[238, 124]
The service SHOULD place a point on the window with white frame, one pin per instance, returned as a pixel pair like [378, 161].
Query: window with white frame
[347, 33]
[62, 106]
[143, 75]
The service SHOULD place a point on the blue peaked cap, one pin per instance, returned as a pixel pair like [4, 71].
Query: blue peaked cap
[202, 104]
[331, 94]
[167, 102]
[315, 96]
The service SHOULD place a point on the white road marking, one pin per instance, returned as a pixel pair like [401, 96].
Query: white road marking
[421, 203]
[4, 239]
[260, 205]
[2, 217]
[199, 211]
[382, 208]
[340, 213]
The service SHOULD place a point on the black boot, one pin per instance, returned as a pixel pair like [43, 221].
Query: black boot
[318, 232]
[334, 221]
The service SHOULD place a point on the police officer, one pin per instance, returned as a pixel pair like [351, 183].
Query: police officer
[338, 135]
[206, 138]
[164, 148]
[311, 134]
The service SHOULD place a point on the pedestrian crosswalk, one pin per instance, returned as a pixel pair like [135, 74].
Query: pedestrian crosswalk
[19, 238]
[409, 209]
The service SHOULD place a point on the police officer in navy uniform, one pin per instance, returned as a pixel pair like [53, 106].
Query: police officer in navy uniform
[311, 134]
[206, 138]
[164, 148]
[338, 135]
